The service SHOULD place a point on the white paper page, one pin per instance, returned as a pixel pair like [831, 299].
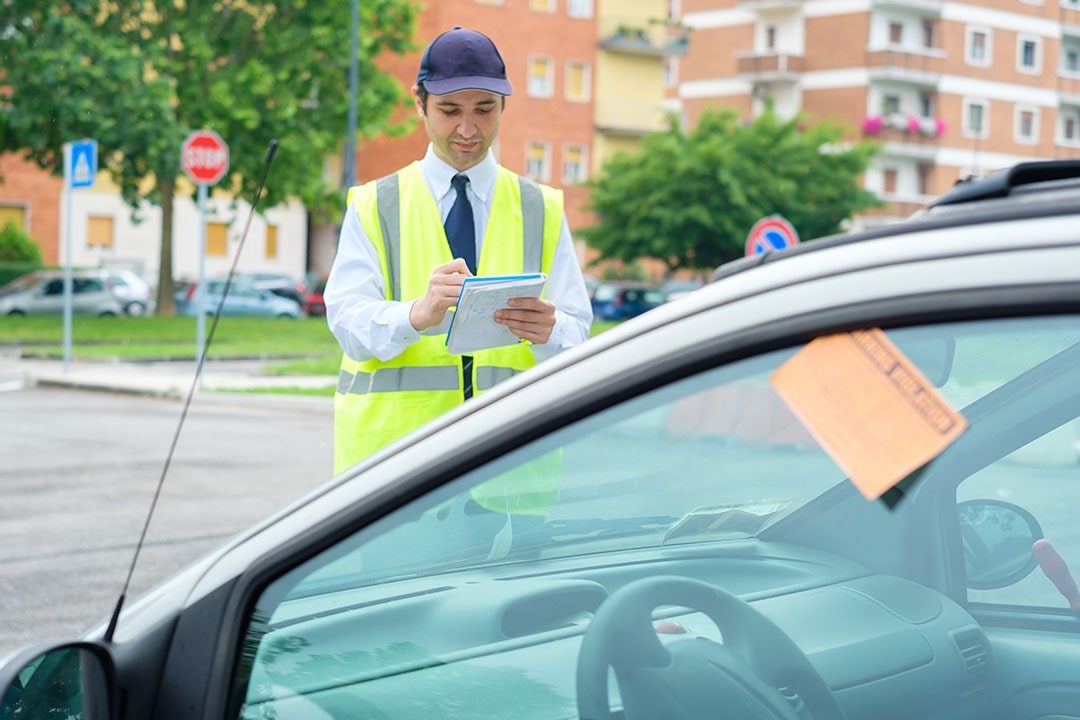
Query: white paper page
[473, 327]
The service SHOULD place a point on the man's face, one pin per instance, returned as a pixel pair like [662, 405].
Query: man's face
[462, 125]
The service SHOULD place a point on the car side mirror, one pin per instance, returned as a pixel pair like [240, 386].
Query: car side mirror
[997, 538]
[72, 680]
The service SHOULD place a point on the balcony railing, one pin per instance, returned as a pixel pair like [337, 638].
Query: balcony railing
[771, 64]
[923, 66]
[653, 38]
[903, 128]
[629, 117]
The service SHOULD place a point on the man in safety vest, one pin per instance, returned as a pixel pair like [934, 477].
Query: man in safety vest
[410, 239]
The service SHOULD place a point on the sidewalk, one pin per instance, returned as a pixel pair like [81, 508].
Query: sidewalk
[220, 379]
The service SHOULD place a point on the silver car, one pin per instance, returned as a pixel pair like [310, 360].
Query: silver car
[840, 481]
[43, 294]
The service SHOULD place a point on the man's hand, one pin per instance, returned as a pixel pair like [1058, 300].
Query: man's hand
[444, 287]
[529, 318]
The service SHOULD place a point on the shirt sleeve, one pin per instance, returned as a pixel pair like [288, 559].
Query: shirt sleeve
[365, 323]
[566, 288]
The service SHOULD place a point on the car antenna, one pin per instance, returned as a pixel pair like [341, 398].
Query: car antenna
[191, 392]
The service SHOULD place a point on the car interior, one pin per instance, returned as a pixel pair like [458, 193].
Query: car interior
[694, 551]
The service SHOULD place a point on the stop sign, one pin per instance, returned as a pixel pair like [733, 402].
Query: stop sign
[204, 157]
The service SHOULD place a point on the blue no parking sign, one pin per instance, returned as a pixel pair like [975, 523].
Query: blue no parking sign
[769, 234]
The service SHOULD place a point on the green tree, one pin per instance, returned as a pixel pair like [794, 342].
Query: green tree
[690, 198]
[140, 75]
[19, 254]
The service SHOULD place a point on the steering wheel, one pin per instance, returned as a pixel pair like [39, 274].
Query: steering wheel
[757, 672]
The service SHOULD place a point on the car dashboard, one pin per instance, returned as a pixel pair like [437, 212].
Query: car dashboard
[503, 640]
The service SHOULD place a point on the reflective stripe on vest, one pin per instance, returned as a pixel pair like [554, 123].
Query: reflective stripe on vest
[394, 379]
[443, 377]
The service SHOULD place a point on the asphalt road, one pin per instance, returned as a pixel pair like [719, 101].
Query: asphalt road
[78, 471]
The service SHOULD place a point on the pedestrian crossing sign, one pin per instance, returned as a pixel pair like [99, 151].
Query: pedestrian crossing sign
[80, 166]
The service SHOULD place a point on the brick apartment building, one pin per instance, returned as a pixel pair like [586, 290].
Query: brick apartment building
[30, 198]
[949, 88]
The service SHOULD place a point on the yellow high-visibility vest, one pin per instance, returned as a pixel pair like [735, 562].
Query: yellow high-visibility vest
[378, 402]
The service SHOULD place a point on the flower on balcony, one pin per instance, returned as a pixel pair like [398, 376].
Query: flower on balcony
[871, 124]
[932, 127]
[914, 125]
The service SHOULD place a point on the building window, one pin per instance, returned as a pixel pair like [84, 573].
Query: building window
[928, 33]
[770, 37]
[924, 174]
[579, 8]
[976, 119]
[538, 161]
[890, 105]
[545, 6]
[896, 33]
[217, 239]
[926, 105]
[1070, 55]
[13, 215]
[1026, 125]
[99, 232]
[541, 81]
[578, 81]
[671, 72]
[271, 242]
[890, 181]
[1070, 126]
[1028, 55]
[978, 47]
[574, 164]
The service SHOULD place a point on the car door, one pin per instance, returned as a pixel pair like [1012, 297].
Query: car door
[447, 575]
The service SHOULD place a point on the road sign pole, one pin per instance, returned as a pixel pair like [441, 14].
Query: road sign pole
[200, 287]
[67, 257]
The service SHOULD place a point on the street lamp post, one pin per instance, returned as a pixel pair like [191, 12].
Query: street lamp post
[348, 178]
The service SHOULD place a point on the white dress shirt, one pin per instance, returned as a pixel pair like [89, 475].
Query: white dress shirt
[367, 325]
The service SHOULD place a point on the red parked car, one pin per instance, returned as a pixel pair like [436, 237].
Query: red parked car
[313, 299]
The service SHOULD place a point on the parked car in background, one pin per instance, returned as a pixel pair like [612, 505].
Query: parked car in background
[838, 482]
[132, 291]
[676, 288]
[42, 293]
[278, 283]
[623, 300]
[241, 300]
[313, 299]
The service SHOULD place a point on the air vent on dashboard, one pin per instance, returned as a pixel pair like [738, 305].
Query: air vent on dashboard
[975, 653]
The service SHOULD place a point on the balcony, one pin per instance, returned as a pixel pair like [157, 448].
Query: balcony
[1069, 83]
[629, 117]
[929, 8]
[656, 37]
[920, 67]
[771, 7]
[905, 135]
[769, 66]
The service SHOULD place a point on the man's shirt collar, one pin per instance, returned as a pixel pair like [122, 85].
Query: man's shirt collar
[439, 174]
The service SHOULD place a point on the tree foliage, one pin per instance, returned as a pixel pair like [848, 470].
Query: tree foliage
[690, 198]
[140, 75]
[19, 254]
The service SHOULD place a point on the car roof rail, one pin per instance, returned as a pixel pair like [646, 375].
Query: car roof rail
[1001, 184]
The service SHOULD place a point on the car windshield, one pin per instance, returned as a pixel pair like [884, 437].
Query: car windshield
[716, 456]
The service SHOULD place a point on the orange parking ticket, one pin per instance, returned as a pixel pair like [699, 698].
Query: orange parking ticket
[868, 406]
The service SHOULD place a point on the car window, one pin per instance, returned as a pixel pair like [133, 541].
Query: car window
[605, 293]
[706, 463]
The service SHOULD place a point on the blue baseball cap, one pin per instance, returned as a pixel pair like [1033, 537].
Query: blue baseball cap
[462, 59]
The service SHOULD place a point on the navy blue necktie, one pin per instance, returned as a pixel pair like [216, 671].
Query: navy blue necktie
[461, 234]
[460, 230]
